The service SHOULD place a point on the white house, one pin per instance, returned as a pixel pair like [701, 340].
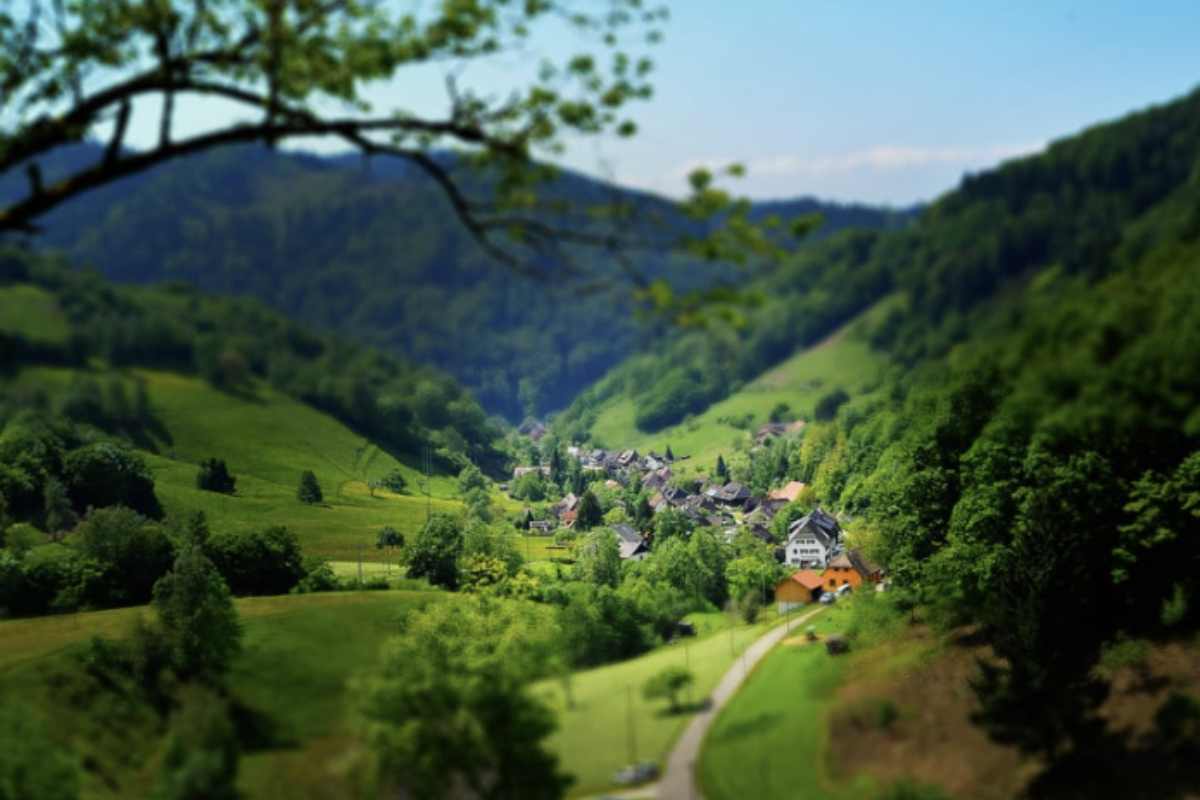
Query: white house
[813, 540]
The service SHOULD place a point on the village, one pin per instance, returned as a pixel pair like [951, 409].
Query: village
[813, 543]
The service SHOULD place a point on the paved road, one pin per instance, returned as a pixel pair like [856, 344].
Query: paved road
[679, 781]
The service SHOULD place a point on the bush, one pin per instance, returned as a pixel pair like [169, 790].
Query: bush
[750, 606]
[827, 406]
[214, 477]
[258, 563]
[131, 551]
[48, 578]
[668, 683]
[105, 474]
[318, 577]
[394, 481]
[309, 491]
[31, 764]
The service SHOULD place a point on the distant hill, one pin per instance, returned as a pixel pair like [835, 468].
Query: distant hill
[372, 250]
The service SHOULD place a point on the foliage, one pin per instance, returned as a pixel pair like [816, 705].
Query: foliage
[434, 552]
[589, 513]
[32, 766]
[199, 621]
[309, 490]
[598, 559]
[107, 474]
[318, 577]
[394, 481]
[828, 405]
[263, 562]
[201, 759]
[668, 684]
[131, 551]
[449, 703]
[214, 477]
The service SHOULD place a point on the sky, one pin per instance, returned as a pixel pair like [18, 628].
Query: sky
[883, 102]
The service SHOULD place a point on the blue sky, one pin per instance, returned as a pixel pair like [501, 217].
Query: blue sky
[883, 102]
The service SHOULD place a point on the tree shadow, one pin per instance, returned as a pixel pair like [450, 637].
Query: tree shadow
[686, 709]
[740, 730]
[1120, 765]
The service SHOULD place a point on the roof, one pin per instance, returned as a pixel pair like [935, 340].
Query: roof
[629, 541]
[809, 579]
[626, 533]
[788, 493]
[853, 559]
[822, 526]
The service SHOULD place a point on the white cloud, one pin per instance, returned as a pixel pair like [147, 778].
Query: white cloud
[884, 157]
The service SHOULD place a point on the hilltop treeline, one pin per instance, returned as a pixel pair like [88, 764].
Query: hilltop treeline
[231, 343]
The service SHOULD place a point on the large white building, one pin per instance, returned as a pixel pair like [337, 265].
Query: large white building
[813, 540]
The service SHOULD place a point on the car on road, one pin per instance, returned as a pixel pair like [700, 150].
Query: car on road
[828, 599]
[637, 773]
[844, 590]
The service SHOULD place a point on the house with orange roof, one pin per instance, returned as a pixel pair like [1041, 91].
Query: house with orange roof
[798, 589]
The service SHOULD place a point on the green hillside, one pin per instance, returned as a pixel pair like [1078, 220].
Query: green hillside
[373, 250]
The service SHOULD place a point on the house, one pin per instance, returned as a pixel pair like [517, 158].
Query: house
[532, 428]
[772, 430]
[627, 458]
[568, 518]
[813, 539]
[798, 589]
[568, 503]
[851, 569]
[541, 527]
[519, 471]
[656, 479]
[630, 543]
[731, 494]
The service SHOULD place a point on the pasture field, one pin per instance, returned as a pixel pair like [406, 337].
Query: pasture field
[32, 312]
[843, 360]
[593, 739]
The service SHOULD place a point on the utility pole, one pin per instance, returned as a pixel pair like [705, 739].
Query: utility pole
[632, 728]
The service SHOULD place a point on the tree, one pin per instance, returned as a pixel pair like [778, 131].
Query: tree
[281, 63]
[262, 562]
[589, 514]
[201, 760]
[449, 704]
[199, 621]
[132, 551]
[669, 455]
[668, 683]
[394, 481]
[57, 511]
[389, 538]
[32, 767]
[471, 479]
[214, 477]
[598, 559]
[309, 491]
[722, 471]
[752, 574]
[434, 552]
[107, 474]
[670, 523]
[829, 404]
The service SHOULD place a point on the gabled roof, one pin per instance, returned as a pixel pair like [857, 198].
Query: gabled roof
[822, 526]
[626, 533]
[629, 541]
[809, 579]
[852, 559]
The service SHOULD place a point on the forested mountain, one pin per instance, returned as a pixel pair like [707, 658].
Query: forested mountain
[1029, 465]
[373, 250]
[1065, 207]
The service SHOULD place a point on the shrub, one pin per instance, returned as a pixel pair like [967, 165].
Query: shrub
[829, 404]
[31, 765]
[318, 577]
[214, 477]
[131, 551]
[394, 481]
[309, 491]
[668, 684]
[105, 474]
[258, 563]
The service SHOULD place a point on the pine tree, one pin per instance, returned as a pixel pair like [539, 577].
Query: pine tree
[589, 514]
[309, 490]
[59, 515]
[669, 455]
[722, 470]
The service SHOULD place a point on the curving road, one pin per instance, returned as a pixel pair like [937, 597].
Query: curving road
[679, 780]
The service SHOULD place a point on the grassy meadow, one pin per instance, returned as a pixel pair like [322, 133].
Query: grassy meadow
[299, 653]
[32, 312]
[593, 737]
[843, 360]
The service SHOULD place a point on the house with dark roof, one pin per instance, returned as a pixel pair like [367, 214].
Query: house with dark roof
[731, 494]
[813, 540]
[630, 542]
